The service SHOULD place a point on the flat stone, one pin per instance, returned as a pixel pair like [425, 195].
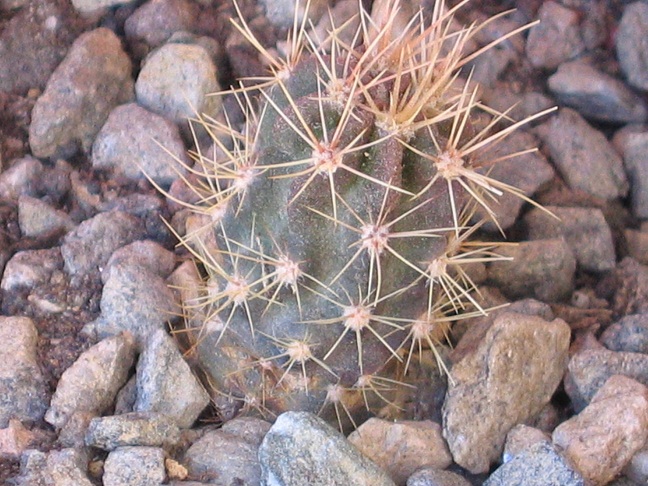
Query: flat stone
[92, 382]
[596, 95]
[134, 466]
[94, 77]
[487, 395]
[583, 156]
[400, 448]
[584, 229]
[629, 334]
[632, 44]
[301, 448]
[132, 429]
[602, 438]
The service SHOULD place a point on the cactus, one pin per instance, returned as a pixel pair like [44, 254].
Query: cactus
[336, 222]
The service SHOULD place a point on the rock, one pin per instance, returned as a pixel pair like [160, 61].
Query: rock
[89, 7]
[631, 47]
[436, 477]
[542, 269]
[602, 438]
[126, 397]
[33, 467]
[134, 466]
[556, 38]
[301, 448]
[488, 66]
[596, 95]
[67, 467]
[229, 454]
[637, 243]
[14, 439]
[134, 300]
[132, 429]
[88, 248]
[400, 448]
[637, 467]
[148, 254]
[22, 178]
[157, 20]
[92, 382]
[630, 334]
[583, 156]
[508, 380]
[527, 173]
[540, 465]
[25, 393]
[33, 41]
[584, 229]
[139, 145]
[634, 146]
[94, 77]
[282, 12]
[505, 98]
[37, 218]
[72, 434]
[165, 383]
[591, 368]
[521, 438]
[175, 82]
[631, 287]
[31, 268]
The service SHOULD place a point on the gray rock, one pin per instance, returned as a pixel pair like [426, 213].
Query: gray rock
[282, 12]
[24, 394]
[591, 368]
[67, 467]
[156, 20]
[488, 66]
[632, 44]
[93, 6]
[132, 429]
[88, 248]
[72, 434]
[139, 144]
[301, 448]
[33, 42]
[37, 218]
[632, 293]
[92, 382]
[22, 178]
[436, 477]
[637, 467]
[146, 253]
[584, 229]
[634, 147]
[134, 300]
[602, 439]
[540, 465]
[520, 438]
[556, 38]
[94, 77]
[30, 269]
[134, 466]
[126, 397]
[400, 448]
[583, 156]
[230, 454]
[165, 383]
[488, 394]
[175, 81]
[505, 98]
[637, 244]
[596, 95]
[630, 334]
[33, 468]
[542, 269]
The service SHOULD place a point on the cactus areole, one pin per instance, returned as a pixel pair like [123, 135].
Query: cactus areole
[335, 220]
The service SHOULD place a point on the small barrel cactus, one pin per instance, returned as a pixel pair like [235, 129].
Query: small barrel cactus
[338, 217]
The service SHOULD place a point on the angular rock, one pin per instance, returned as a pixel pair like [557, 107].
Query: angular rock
[157, 20]
[596, 95]
[591, 368]
[631, 294]
[583, 156]
[542, 269]
[134, 466]
[22, 178]
[507, 381]
[165, 383]
[37, 218]
[92, 382]
[94, 77]
[436, 477]
[301, 448]
[139, 144]
[31, 268]
[72, 434]
[602, 438]
[556, 38]
[634, 146]
[584, 229]
[88, 248]
[132, 429]
[400, 448]
[145, 253]
[631, 44]
[14, 439]
[23, 390]
[540, 465]
[67, 467]
[175, 82]
[630, 334]
[229, 454]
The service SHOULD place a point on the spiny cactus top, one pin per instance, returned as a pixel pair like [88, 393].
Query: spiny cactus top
[335, 222]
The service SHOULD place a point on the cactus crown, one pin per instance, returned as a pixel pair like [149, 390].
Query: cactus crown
[333, 227]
